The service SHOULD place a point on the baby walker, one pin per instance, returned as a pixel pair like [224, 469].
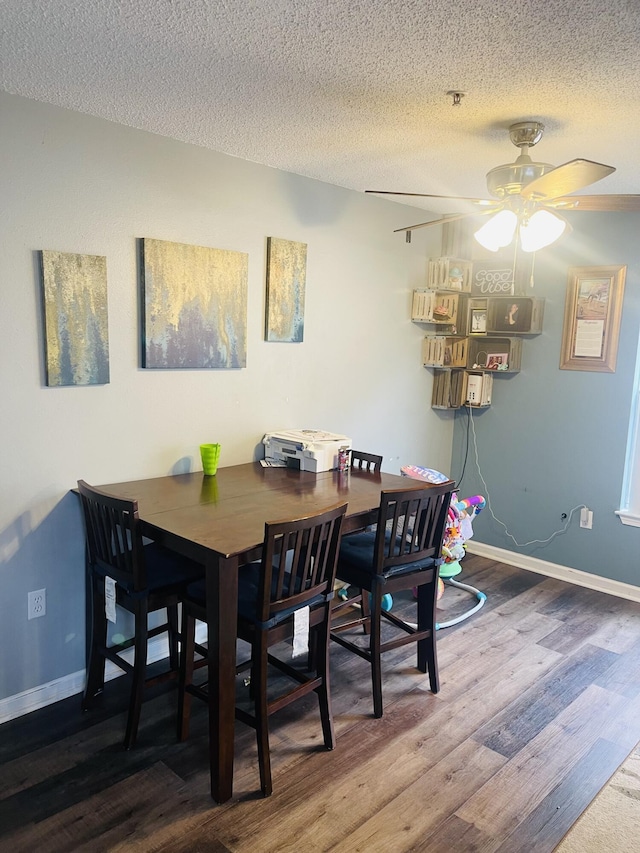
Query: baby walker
[458, 530]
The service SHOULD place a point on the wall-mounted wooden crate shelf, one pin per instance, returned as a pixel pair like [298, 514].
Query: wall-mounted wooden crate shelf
[450, 274]
[449, 389]
[432, 306]
[512, 315]
[478, 388]
[478, 336]
[443, 351]
[515, 315]
[499, 354]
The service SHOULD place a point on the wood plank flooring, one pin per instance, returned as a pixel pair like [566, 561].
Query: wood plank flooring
[539, 705]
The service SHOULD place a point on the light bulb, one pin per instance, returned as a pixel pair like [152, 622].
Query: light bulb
[498, 231]
[541, 229]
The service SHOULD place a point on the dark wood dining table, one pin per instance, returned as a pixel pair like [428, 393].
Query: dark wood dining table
[219, 522]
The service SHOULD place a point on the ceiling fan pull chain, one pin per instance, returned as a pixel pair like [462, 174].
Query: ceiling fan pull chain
[533, 263]
[515, 265]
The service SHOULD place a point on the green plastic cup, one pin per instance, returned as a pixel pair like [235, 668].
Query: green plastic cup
[210, 454]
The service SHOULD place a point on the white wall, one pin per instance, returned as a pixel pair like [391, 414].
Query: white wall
[73, 183]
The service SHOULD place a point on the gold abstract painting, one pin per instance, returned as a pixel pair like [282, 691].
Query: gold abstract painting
[195, 306]
[76, 318]
[286, 282]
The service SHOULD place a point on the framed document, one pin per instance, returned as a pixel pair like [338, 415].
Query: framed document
[592, 312]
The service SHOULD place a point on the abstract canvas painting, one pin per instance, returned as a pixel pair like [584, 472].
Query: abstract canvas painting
[76, 320]
[195, 306]
[286, 281]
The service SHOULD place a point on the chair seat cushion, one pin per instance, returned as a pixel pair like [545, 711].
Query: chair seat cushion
[167, 569]
[248, 590]
[356, 559]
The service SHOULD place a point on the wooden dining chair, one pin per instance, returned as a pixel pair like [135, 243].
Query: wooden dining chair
[147, 578]
[370, 462]
[403, 553]
[296, 573]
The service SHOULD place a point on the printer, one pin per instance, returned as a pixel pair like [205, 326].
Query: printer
[307, 449]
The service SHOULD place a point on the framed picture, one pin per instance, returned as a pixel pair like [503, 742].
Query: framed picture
[512, 315]
[478, 321]
[592, 312]
[76, 331]
[195, 306]
[286, 283]
[495, 360]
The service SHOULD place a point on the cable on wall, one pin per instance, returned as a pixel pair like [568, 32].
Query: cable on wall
[466, 451]
[486, 494]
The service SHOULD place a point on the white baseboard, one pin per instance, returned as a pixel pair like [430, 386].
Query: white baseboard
[553, 570]
[69, 685]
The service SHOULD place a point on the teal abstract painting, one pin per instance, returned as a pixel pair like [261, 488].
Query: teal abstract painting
[195, 306]
[75, 318]
[286, 282]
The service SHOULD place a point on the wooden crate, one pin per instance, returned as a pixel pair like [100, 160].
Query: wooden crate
[422, 308]
[489, 353]
[444, 351]
[449, 274]
[430, 306]
[515, 315]
[449, 387]
[474, 316]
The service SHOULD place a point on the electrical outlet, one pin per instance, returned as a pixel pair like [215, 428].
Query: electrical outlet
[36, 603]
[586, 518]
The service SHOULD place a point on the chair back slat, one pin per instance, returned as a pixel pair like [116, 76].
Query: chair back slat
[299, 561]
[362, 461]
[411, 525]
[114, 539]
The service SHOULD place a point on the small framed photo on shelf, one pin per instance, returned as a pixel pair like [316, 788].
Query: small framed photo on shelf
[496, 361]
[478, 321]
[512, 315]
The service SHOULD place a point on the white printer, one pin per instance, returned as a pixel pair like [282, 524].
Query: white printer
[307, 449]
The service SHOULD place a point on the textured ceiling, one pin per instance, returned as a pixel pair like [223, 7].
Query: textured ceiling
[352, 93]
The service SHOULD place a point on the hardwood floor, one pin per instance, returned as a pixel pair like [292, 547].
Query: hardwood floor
[539, 705]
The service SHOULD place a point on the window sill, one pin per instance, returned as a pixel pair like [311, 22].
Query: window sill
[628, 517]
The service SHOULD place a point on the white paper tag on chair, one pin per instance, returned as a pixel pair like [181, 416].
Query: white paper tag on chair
[110, 599]
[301, 632]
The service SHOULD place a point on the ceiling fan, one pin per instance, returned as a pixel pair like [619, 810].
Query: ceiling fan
[527, 196]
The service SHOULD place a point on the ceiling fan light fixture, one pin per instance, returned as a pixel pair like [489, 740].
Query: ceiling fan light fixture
[541, 229]
[498, 231]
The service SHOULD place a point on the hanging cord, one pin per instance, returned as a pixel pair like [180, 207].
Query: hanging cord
[501, 523]
[516, 270]
[533, 263]
[466, 451]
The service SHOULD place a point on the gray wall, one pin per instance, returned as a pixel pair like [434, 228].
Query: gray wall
[76, 184]
[553, 438]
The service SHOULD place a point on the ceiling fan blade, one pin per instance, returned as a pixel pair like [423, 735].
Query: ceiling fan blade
[565, 179]
[444, 219]
[479, 201]
[611, 203]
